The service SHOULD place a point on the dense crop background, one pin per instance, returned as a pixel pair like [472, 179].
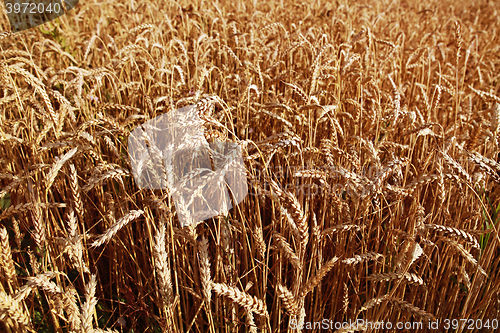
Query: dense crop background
[371, 137]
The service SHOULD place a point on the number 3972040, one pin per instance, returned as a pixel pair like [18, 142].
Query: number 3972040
[32, 8]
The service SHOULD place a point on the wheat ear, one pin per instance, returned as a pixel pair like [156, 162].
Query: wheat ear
[89, 306]
[243, 299]
[204, 263]
[11, 308]
[132, 215]
[314, 281]
[161, 267]
[6, 255]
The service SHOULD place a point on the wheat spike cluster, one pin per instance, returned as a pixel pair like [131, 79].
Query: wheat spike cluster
[370, 137]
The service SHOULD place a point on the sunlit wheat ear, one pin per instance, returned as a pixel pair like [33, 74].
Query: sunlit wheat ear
[8, 267]
[420, 181]
[415, 57]
[39, 234]
[18, 236]
[39, 88]
[11, 308]
[88, 308]
[181, 74]
[15, 182]
[301, 316]
[359, 258]
[226, 238]
[463, 277]
[232, 55]
[69, 299]
[42, 281]
[291, 222]
[288, 299]
[491, 167]
[116, 174]
[187, 234]
[495, 123]
[313, 174]
[89, 47]
[287, 251]
[108, 234]
[162, 268]
[456, 167]
[450, 231]
[74, 244]
[260, 243]
[241, 298]
[23, 292]
[408, 253]
[410, 278]
[373, 302]
[34, 264]
[341, 228]
[292, 205]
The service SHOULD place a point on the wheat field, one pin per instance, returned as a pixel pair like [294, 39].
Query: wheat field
[370, 134]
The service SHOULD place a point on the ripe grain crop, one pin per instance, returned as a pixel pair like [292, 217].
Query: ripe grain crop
[370, 135]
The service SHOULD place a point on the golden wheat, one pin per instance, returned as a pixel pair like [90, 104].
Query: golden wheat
[370, 141]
